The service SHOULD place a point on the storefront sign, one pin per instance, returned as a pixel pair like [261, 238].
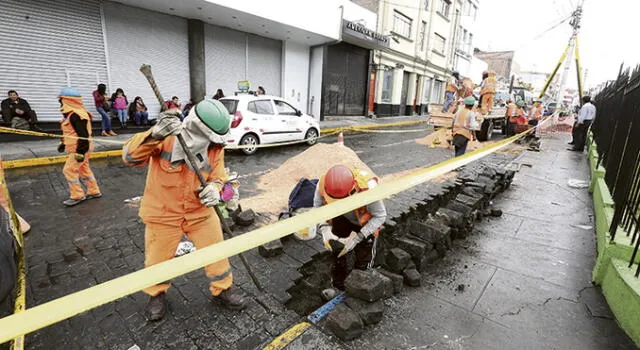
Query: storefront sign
[362, 33]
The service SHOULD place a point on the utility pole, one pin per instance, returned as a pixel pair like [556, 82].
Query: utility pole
[575, 23]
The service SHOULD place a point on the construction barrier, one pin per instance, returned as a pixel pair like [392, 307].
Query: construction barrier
[21, 163]
[20, 289]
[73, 304]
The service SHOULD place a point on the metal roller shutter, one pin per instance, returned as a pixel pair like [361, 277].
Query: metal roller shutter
[225, 56]
[48, 44]
[265, 64]
[136, 36]
[344, 90]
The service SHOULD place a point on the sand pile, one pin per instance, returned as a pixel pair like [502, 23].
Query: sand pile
[311, 164]
[441, 138]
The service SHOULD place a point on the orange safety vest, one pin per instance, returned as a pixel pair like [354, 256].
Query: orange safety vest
[536, 112]
[513, 112]
[451, 87]
[489, 85]
[170, 193]
[71, 143]
[362, 184]
[520, 117]
[462, 124]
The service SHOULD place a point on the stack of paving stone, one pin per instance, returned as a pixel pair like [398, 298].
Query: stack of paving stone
[363, 305]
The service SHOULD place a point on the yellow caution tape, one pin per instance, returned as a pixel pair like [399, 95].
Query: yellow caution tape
[21, 285]
[73, 304]
[27, 162]
[44, 134]
[287, 337]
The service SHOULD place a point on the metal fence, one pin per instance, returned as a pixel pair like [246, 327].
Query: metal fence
[616, 130]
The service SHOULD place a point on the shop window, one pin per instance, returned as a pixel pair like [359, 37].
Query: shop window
[387, 86]
[285, 108]
[426, 91]
[444, 8]
[402, 24]
[261, 107]
[436, 93]
[439, 43]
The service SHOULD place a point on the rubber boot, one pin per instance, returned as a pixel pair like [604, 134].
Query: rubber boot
[231, 298]
[71, 202]
[94, 196]
[156, 307]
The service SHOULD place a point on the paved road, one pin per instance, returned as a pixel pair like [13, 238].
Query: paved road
[526, 275]
[70, 249]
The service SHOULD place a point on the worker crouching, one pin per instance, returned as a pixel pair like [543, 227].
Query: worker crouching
[174, 202]
[357, 231]
[76, 141]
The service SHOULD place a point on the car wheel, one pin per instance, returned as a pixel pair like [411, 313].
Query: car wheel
[311, 136]
[249, 140]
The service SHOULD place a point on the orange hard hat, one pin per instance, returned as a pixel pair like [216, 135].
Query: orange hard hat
[339, 182]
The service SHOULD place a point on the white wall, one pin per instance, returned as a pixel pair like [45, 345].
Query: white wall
[356, 13]
[295, 73]
[477, 67]
[315, 81]
[313, 16]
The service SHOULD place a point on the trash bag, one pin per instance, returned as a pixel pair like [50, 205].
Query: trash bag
[302, 194]
[8, 261]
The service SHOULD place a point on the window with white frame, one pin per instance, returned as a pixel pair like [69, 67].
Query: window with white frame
[444, 7]
[473, 11]
[426, 5]
[470, 44]
[467, 9]
[423, 34]
[402, 24]
[426, 91]
[387, 86]
[459, 38]
[439, 43]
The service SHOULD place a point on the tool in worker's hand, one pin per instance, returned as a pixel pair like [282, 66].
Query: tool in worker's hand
[146, 70]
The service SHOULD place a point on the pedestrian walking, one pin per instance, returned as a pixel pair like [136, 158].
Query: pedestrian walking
[76, 141]
[174, 202]
[120, 104]
[585, 117]
[453, 85]
[463, 127]
[101, 101]
[356, 230]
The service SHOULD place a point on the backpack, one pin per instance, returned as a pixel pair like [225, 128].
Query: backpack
[300, 197]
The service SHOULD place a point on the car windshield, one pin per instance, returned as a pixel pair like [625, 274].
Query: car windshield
[231, 105]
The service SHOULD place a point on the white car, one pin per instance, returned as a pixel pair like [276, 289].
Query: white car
[266, 119]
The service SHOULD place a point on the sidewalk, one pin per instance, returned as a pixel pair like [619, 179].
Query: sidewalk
[522, 281]
[47, 147]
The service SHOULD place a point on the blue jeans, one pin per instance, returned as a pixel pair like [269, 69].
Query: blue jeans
[460, 144]
[448, 100]
[122, 115]
[141, 118]
[106, 121]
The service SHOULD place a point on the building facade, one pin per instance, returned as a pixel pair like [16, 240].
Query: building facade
[463, 49]
[194, 47]
[423, 45]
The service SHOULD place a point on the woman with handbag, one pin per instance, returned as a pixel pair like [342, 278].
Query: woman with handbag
[101, 100]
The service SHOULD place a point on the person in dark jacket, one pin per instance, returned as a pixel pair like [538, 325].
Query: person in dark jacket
[138, 111]
[219, 94]
[17, 112]
[76, 141]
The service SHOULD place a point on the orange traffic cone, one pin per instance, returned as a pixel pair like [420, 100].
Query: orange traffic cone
[341, 139]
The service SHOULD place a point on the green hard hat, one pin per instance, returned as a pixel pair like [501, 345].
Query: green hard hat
[214, 115]
[469, 101]
[520, 103]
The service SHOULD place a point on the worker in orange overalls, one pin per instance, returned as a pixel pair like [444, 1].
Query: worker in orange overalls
[487, 92]
[76, 130]
[356, 230]
[513, 113]
[453, 85]
[535, 114]
[174, 202]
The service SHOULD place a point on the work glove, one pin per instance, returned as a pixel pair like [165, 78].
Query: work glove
[168, 124]
[350, 242]
[209, 195]
[327, 235]
[61, 147]
[79, 157]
